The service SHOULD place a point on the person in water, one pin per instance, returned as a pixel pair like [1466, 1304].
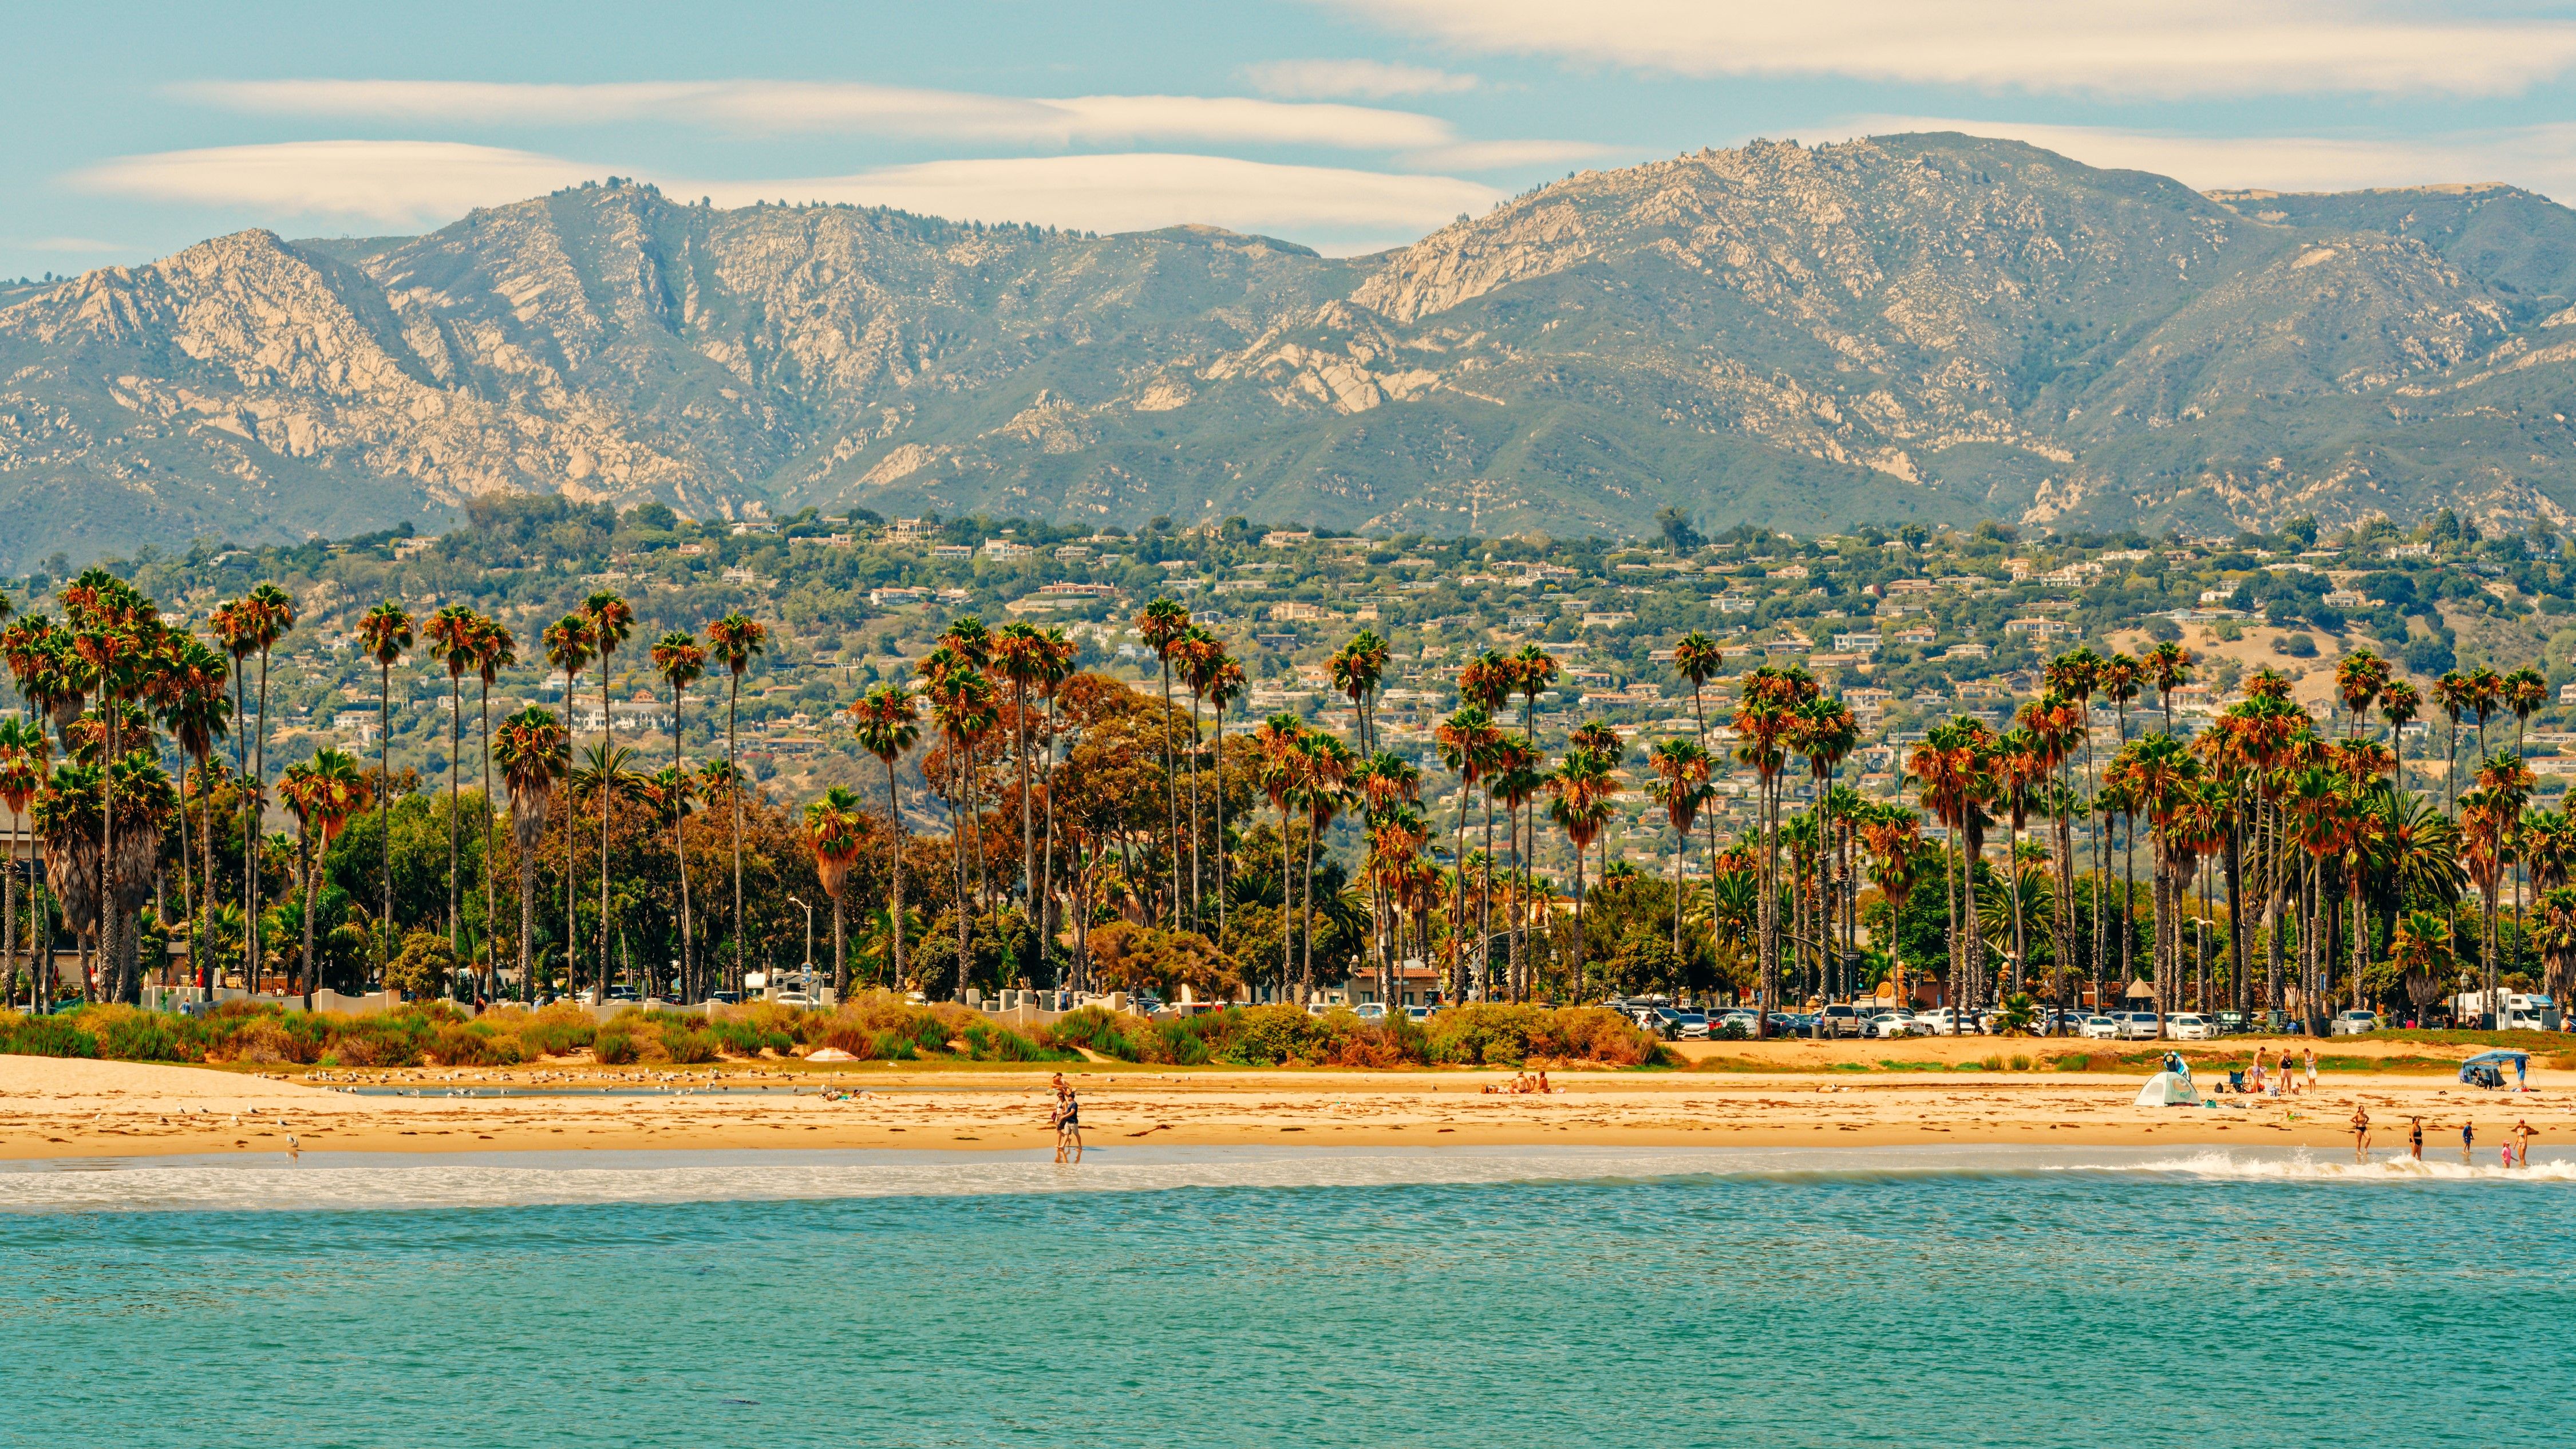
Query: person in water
[1068, 1127]
[2361, 1134]
[2523, 1132]
[2415, 1138]
[2468, 1140]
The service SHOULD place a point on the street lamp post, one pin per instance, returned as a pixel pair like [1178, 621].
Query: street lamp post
[809, 947]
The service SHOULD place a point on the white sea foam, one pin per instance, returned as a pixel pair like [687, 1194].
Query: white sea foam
[2301, 1166]
[354, 1181]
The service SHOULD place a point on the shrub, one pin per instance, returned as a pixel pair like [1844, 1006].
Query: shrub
[614, 1047]
[127, 1034]
[1275, 1035]
[474, 1044]
[556, 1031]
[44, 1036]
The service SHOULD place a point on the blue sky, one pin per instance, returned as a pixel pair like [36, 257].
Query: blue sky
[136, 129]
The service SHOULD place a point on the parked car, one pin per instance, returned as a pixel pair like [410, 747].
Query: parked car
[792, 998]
[2231, 1023]
[1887, 1025]
[1843, 1020]
[1673, 1024]
[2100, 1027]
[2190, 1026]
[2352, 1023]
[2136, 1026]
[1370, 1011]
[1417, 1013]
[1937, 1021]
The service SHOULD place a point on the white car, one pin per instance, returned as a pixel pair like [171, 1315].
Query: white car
[2352, 1023]
[1888, 1025]
[2136, 1026]
[1370, 1011]
[2101, 1028]
[792, 998]
[1939, 1022]
[2190, 1026]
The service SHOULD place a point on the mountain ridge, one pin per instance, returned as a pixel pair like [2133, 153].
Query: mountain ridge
[1931, 327]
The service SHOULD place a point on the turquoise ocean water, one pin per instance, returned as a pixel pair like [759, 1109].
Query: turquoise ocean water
[1933, 1296]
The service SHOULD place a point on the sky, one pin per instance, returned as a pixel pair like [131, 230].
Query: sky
[133, 130]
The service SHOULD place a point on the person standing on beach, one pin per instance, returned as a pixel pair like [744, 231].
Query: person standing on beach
[2312, 1069]
[2361, 1134]
[1068, 1127]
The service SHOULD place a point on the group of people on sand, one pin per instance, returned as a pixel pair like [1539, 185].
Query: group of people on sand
[2282, 1078]
[2517, 1144]
[1066, 1119]
[1522, 1084]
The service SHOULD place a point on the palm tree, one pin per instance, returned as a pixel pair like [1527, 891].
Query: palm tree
[2168, 665]
[888, 724]
[611, 620]
[1226, 684]
[834, 832]
[385, 633]
[266, 613]
[531, 749]
[607, 774]
[2455, 695]
[454, 632]
[569, 646]
[1357, 669]
[2359, 678]
[1198, 654]
[961, 705]
[681, 661]
[323, 792]
[1583, 785]
[22, 754]
[2400, 702]
[735, 640]
[1161, 626]
[1681, 786]
[494, 651]
[1697, 658]
[191, 695]
[1022, 658]
[1466, 743]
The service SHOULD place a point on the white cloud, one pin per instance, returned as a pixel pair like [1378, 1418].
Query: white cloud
[2540, 158]
[392, 182]
[1371, 80]
[781, 106]
[2164, 48]
[424, 182]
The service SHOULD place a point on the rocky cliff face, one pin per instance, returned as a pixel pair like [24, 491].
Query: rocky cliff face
[1910, 327]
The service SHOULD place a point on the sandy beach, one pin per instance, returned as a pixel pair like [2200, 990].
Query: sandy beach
[70, 1108]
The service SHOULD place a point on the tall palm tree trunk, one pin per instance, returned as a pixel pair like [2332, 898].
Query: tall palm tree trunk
[733, 781]
[455, 804]
[894, 813]
[384, 807]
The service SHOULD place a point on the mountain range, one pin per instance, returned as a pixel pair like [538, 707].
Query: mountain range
[1937, 328]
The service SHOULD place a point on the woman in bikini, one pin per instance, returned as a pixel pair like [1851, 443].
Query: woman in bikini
[2361, 1134]
[1068, 1127]
[2415, 1138]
